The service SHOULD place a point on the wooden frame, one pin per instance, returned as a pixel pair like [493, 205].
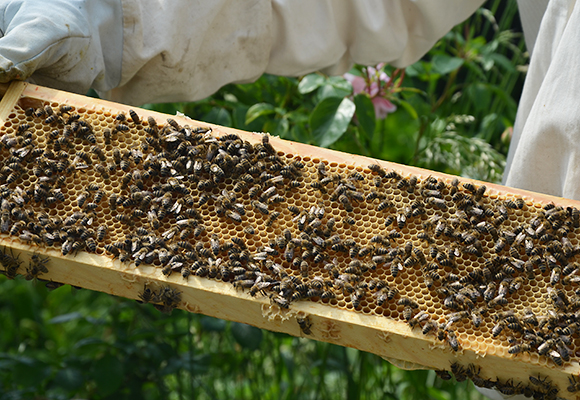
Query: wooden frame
[393, 340]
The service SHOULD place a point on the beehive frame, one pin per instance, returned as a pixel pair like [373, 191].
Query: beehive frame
[363, 329]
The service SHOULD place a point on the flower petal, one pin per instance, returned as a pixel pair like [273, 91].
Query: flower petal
[374, 89]
[358, 83]
[384, 77]
[383, 107]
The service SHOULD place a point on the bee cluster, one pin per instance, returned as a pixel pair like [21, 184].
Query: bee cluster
[453, 261]
[537, 387]
[165, 299]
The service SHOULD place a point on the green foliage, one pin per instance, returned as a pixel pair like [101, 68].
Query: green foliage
[83, 344]
[452, 108]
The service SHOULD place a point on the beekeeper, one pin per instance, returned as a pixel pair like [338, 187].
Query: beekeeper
[142, 51]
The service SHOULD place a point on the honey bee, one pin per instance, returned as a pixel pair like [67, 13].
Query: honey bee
[556, 357]
[385, 205]
[304, 267]
[476, 316]
[280, 302]
[519, 348]
[417, 319]
[393, 175]
[91, 244]
[396, 266]
[321, 170]
[346, 202]
[382, 295]
[407, 313]
[249, 230]
[469, 187]
[401, 220]
[147, 295]
[215, 244]
[134, 117]
[452, 340]
[430, 277]
[405, 301]
[440, 203]
[101, 232]
[497, 329]
[51, 119]
[356, 176]
[36, 266]
[272, 218]
[442, 374]
[555, 275]
[263, 208]
[377, 169]
[574, 384]
[234, 216]
[429, 327]
[356, 296]
[349, 220]
[515, 284]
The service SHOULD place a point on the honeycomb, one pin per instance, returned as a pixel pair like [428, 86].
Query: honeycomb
[460, 264]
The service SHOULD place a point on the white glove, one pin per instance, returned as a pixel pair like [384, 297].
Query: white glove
[66, 44]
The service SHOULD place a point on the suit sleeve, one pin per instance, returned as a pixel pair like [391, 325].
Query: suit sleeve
[181, 50]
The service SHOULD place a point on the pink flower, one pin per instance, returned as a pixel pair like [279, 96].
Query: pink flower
[375, 83]
[358, 83]
[383, 107]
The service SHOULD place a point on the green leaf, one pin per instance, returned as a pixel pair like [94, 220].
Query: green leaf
[310, 83]
[200, 364]
[436, 393]
[89, 341]
[409, 108]
[66, 318]
[365, 112]
[299, 133]
[257, 110]
[330, 119]
[480, 94]
[69, 379]
[277, 127]
[247, 336]
[327, 91]
[444, 64]
[340, 83]
[503, 61]
[415, 69]
[29, 372]
[211, 324]
[218, 116]
[108, 374]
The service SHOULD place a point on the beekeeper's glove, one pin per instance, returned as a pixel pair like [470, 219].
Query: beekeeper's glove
[66, 44]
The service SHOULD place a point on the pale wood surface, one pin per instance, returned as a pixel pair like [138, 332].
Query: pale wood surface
[11, 96]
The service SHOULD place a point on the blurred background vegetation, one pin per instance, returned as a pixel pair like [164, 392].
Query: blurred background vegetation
[452, 111]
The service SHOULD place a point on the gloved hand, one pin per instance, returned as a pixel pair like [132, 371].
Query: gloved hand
[65, 44]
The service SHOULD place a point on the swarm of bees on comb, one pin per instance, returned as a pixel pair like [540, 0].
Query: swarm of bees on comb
[448, 258]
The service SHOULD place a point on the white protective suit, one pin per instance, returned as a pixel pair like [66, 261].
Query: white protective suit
[141, 51]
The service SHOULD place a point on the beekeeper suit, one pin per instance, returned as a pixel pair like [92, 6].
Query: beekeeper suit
[141, 51]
